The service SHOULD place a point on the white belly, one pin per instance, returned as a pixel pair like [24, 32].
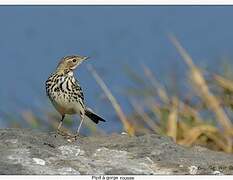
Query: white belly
[66, 105]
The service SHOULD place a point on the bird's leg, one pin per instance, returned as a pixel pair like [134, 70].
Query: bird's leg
[79, 127]
[59, 126]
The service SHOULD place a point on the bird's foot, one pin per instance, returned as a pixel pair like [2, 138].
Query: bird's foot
[70, 137]
[62, 133]
[76, 136]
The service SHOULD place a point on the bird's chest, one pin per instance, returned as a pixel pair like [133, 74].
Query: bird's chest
[61, 94]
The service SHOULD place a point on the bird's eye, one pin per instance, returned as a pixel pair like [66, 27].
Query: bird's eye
[74, 60]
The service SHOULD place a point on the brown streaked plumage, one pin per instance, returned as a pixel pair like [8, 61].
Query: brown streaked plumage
[65, 92]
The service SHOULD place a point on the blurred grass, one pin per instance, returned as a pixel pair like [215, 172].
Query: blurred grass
[201, 116]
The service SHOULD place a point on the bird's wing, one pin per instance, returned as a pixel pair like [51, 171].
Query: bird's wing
[77, 91]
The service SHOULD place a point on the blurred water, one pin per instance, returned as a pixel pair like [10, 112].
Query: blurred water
[34, 38]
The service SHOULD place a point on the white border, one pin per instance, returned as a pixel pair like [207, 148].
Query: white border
[111, 177]
[116, 2]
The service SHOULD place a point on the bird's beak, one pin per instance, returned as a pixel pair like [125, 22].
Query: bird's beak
[85, 58]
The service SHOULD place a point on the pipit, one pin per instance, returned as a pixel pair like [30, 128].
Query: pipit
[66, 94]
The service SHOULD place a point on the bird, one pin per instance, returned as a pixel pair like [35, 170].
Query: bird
[65, 92]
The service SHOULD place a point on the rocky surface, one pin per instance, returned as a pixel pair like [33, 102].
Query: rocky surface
[26, 151]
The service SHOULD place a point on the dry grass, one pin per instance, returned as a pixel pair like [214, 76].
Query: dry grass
[126, 124]
[201, 119]
[179, 119]
[202, 89]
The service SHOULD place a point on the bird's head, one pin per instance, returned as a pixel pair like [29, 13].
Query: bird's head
[69, 63]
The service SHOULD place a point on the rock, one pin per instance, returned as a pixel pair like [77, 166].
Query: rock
[25, 151]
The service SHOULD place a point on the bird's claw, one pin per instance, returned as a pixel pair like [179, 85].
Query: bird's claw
[68, 136]
[72, 138]
[62, 133]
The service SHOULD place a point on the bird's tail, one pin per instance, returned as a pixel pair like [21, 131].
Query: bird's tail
[95, 118]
